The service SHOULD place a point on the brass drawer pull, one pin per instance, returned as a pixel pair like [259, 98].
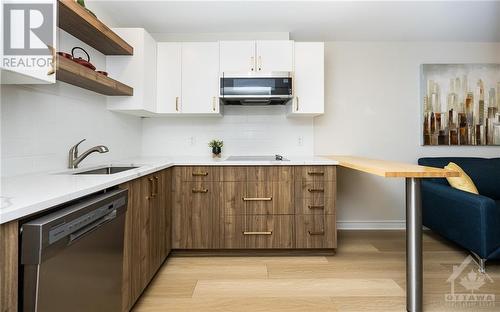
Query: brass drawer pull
[316, 207]
[199, 174]
[316, 233]
[258, 233]
[312, 190]
[199, 190]
[257, 198]
[315, 173]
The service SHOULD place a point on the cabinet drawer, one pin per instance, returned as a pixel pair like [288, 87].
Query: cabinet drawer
[315, 173]
[256, 173]
[269, 198]
[198, 173]
[234, 174]
[239, 198]
[259, 231]
[314, 189]
[269, 173]
[315, 231]
[315, 205]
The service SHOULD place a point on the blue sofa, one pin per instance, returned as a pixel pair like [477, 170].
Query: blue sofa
[470, 220]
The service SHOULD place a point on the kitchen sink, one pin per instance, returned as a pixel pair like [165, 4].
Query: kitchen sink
[106, 170]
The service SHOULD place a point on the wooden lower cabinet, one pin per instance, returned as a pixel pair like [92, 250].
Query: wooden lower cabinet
[9, 239]
[254, 207]
[315, 231]
[259, 231]
[196, 215]
[147, 242]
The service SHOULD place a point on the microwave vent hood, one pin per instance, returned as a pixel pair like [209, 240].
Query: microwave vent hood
[255, 90]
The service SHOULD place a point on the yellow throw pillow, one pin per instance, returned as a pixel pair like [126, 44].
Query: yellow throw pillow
[463, 182]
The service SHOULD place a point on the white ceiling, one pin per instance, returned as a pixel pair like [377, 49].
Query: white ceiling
[313, 20]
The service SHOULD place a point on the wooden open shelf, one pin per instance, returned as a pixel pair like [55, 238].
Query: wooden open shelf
[74, 19]
[83, 77]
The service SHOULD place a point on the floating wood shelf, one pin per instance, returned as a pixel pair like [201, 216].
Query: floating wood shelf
[77, 21]
[83, 77]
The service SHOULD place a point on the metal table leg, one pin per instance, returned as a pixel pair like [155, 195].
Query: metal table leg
[414, 273]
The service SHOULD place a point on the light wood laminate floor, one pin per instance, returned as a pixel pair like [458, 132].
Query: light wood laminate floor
[366, 274]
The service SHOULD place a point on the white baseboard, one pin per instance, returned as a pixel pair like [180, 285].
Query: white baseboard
[372, 225]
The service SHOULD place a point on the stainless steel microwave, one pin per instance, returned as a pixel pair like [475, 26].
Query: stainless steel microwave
[275, 89]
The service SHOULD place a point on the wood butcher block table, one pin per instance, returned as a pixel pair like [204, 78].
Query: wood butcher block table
[412, 174]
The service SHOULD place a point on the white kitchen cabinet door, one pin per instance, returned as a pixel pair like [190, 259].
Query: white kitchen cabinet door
[309, 77]
[138, 70]
[169, 75]
[274, 56]
[200, 78]
[237, 56]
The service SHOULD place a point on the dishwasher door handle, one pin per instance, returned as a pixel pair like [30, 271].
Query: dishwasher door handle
[91, 227]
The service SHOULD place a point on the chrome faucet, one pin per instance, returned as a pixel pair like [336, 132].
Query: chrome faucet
[74, 159]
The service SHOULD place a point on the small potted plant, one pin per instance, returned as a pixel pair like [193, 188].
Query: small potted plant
[216, 146]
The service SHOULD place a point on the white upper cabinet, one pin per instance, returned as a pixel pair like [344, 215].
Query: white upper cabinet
[274, 56]
[200, 78]
[138, 70]
[309, 80]
[188, 78]
[169, 75]
[237, 56]
[256, 56]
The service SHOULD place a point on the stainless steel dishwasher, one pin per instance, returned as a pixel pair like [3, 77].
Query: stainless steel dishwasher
[72, 259]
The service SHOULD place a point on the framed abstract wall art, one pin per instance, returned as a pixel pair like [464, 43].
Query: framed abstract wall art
[460, 104]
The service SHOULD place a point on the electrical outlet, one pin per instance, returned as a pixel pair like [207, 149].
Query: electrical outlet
[192, 140]
[300, 141]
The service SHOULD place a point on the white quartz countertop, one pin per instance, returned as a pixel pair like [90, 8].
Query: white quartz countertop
[25, 195]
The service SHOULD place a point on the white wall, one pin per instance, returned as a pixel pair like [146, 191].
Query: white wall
[373, 110]
[245, 131]
[39, 124]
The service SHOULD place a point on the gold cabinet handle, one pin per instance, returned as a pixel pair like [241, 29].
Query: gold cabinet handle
[258, 233]
[260, 63]
[257, 198]
[213, 103]
[199, 190]
[297, 103]
[252, 63]
[151, 189]
[314, 190]
[316, 232]
[315, 173]
[199, 174]
[176, 103]
[316, 207]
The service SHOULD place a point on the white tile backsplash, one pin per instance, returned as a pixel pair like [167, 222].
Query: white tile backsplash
[40, 123]
[245, 131]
